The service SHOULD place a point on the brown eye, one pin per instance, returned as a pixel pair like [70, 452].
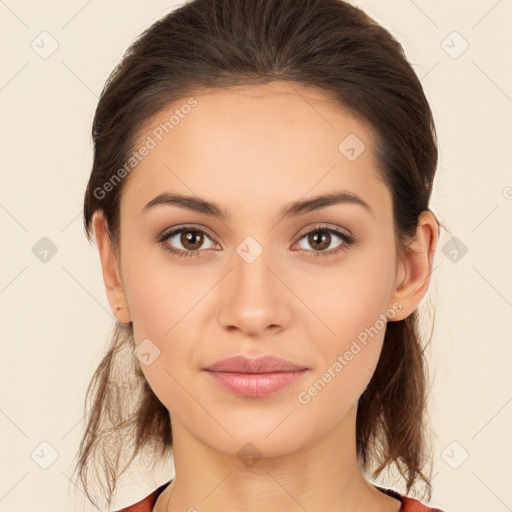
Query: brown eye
[321, 239]
[186, 241]
[191, 240]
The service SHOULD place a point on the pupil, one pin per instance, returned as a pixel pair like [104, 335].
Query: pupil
[322, 236]
[191, 237]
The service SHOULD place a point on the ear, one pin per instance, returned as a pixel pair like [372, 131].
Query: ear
[110, 268]
[413, 272]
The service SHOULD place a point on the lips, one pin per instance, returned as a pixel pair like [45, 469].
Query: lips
[262, 364]
[254, 377]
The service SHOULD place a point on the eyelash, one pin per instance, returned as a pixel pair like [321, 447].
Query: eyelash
[348, 241]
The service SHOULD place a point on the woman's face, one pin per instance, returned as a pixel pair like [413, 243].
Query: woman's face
[250, 283]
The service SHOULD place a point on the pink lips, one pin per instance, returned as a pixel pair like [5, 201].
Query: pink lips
[257, 377]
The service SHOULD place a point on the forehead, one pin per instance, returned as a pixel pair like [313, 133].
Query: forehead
[253, 143]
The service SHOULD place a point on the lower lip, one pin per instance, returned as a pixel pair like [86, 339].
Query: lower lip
[255, 384]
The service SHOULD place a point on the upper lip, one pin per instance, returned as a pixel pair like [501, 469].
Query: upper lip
[262, 364]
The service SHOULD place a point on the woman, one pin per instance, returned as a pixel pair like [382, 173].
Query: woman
[259, 198]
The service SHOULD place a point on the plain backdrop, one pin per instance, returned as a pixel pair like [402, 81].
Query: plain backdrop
[55, 57]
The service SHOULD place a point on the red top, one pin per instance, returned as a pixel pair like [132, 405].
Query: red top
[408, 504]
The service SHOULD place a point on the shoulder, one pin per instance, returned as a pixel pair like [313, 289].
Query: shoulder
[412, 505]
[147, 503]
[408, 504]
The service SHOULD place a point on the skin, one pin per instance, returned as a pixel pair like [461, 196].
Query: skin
[252, 150]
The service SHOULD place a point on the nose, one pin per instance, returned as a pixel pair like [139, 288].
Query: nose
[253, 298]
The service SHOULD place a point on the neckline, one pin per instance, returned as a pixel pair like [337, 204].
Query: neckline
[151, 499]
[389, 492]
[393, 494]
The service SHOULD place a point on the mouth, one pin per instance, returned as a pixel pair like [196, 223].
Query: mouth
[260, 364]
[255, 385]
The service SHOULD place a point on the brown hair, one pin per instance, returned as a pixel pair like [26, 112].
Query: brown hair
[331, 46]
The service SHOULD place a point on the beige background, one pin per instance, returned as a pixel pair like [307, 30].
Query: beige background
[55, 316]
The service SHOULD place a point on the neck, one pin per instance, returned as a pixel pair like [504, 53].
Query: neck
[322, 476]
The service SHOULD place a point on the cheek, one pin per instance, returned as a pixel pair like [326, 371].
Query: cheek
[161, 300]
[348, 329]
[347, 358]
[348, 300]
[152, 291]
[366, 287]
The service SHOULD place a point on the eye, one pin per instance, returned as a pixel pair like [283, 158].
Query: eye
[191, 240]
[321, 238]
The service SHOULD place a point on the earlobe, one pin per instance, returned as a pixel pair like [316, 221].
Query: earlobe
[110, 269]
[413, 275]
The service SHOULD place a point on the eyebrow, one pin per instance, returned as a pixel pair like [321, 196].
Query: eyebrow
[294, 209]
